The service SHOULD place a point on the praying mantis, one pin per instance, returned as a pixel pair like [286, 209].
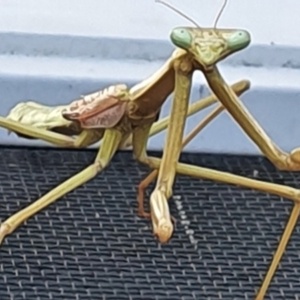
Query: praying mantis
[118, 116]
[122, 116]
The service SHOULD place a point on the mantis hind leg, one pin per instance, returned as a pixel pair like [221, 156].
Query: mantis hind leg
[85, 138]
[111, 141]
[290, 225]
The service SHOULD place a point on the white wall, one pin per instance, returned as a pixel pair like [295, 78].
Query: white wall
[268, 20]
[53, 51]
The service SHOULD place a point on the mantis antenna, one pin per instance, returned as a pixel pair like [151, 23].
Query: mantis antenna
[220, 13]
[178, 11]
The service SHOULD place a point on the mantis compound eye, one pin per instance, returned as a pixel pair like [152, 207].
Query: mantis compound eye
[238, 40]
[181, 37]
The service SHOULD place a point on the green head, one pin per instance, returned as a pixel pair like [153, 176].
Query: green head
[210, 45]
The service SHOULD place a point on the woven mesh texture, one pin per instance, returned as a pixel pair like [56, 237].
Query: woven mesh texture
[91, 244]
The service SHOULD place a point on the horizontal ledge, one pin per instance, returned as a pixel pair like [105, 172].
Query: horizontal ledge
[132, 71]
[120, 48]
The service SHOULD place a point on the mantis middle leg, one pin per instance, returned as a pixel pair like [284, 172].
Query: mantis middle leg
[111, 141]
[281, 159]
[86, 138]
[239, 88]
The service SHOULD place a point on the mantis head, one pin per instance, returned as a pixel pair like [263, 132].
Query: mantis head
[209, 45]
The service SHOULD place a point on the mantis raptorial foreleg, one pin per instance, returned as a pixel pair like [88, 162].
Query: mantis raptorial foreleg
[111, 141]
[239, 88]
[140, 197]
[163, 227]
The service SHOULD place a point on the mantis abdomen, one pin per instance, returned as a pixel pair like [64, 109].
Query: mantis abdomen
[43, 117]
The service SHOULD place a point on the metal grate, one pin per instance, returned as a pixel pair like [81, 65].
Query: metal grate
[91, 245]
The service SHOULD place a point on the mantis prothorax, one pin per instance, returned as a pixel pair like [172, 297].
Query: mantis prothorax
[207, 46]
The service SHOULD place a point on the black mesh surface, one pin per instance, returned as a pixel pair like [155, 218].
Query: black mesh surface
[91, 244]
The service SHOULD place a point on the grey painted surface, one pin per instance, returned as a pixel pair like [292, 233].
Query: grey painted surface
[53, 51]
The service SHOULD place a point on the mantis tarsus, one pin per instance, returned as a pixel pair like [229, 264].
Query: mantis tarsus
[122, 116]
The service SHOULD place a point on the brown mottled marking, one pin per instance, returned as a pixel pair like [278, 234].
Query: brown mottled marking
[106, 119]
[103, 109]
